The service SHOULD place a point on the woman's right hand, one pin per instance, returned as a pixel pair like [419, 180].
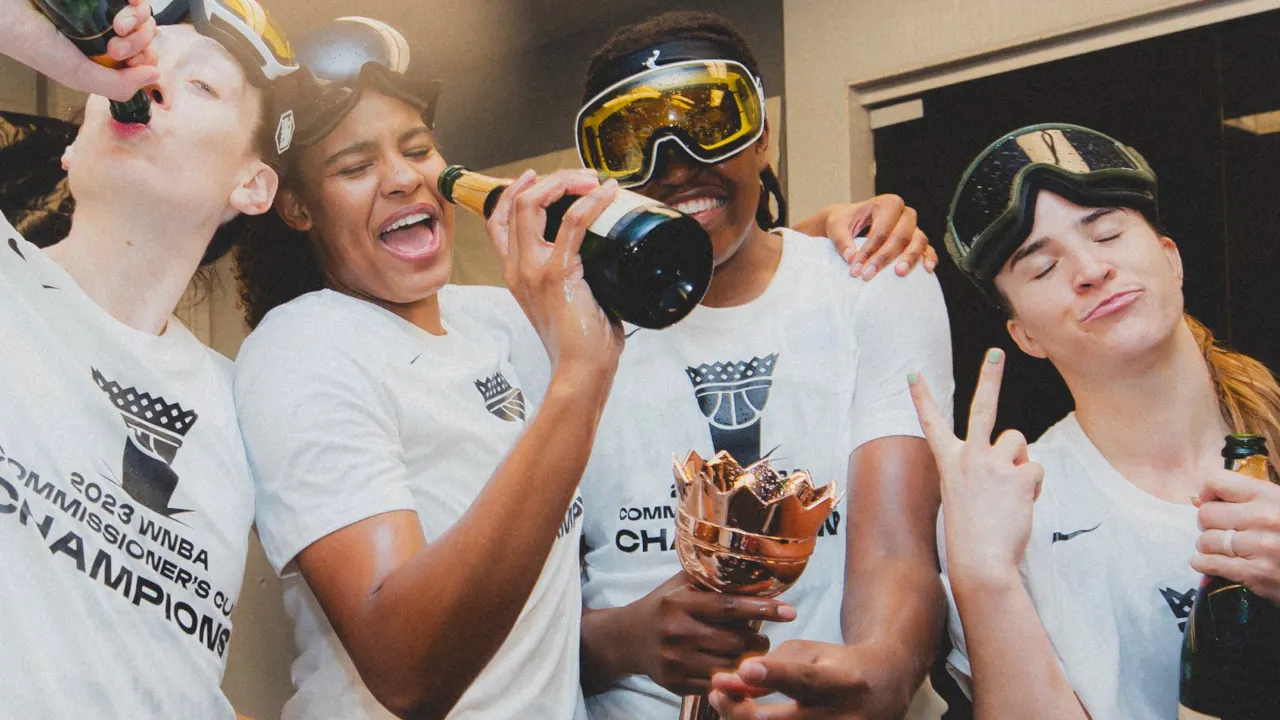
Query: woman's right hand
[988, 490]
[546, 278]
[685, 635]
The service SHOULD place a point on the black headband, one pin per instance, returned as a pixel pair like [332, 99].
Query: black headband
[655, 56]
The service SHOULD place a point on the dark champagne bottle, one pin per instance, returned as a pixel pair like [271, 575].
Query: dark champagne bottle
[87, 24]
[646, 263]
[1231, 649]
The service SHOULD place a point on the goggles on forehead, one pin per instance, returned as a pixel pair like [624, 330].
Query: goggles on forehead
[713, 109]
[245, 29]
[342, 59]
[994, 207]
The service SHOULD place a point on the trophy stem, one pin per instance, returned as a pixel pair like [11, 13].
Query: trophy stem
[697, 707]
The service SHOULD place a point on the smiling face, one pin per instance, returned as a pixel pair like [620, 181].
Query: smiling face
[1091, 285]
[367, 195]
[197, 149]
[723, 198]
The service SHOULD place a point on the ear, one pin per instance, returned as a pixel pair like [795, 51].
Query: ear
[293, 211]
[1174, 257]
[1025, 342]
[256, 191]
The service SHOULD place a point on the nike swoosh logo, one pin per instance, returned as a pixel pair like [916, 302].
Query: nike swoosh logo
[1067, 536]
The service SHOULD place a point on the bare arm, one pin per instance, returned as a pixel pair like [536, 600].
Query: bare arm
[421, 620]
[1013, 662]
[1014, 666]
[893, 596]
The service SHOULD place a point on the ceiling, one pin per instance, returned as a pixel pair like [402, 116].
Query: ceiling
[462, 31]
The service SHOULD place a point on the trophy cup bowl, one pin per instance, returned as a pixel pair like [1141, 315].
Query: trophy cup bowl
[744, 531]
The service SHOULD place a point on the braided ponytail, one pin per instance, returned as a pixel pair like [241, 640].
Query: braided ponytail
[770, 186]
[1248, 395]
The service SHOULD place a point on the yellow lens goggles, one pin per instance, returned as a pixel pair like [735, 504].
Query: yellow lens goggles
[713, 109]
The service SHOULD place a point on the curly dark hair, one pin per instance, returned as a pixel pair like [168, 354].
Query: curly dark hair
[686, 25]
[274, 264]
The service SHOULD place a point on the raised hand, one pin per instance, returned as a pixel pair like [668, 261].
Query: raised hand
[547, 278]
[1248, 509]
[28, 37]
[988, 489]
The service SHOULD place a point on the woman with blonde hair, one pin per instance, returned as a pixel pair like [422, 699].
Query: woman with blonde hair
[1075, 600]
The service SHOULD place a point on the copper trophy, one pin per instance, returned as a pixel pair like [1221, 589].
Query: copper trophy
[744, 531]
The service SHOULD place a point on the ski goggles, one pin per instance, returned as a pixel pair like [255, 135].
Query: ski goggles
[342, 59]
[713, 109]
[245, 29]
[994, 207]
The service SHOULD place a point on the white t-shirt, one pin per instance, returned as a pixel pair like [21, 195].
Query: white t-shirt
[816, 366]
[125, 507]
[1108, 567]
[350, 411]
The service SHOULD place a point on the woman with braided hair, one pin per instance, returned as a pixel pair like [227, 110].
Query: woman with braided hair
[785, 351]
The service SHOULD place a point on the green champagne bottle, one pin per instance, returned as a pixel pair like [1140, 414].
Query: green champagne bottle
[645, 263]
[88, 25]
[1231, 648]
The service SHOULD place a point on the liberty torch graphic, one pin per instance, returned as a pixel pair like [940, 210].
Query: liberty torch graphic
[732, 396]
[156, 430]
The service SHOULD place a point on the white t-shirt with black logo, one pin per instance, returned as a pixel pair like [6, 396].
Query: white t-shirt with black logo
[125, 507]
[814, 367]
[349, 411]
[1108, 567]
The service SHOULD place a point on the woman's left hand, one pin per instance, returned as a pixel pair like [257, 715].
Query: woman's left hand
[1248, 512]
[831, 682]
[892, 235]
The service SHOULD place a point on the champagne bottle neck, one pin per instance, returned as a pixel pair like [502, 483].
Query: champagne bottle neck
[472, 190]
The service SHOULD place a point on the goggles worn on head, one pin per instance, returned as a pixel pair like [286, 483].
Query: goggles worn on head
[245, 29]
[341, 60]
[994, 207]
[713, 109]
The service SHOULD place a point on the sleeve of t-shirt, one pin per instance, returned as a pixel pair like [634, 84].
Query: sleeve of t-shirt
[320, 434]
[900, 326]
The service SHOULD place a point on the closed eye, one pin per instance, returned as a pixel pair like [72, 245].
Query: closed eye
[204, 87]
[1046, 271]
[421, 153]
[1108, 238]
[354, 170]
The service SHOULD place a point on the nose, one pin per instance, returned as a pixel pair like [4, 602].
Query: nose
[674, 165]
[1091, 271]
[400, 177]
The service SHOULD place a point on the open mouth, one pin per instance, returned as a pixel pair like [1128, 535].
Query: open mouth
[412, 235]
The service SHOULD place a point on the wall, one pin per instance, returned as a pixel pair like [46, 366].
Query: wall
[497, 112]
[879, 38]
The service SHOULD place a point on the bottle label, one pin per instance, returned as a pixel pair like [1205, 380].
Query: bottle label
[625, 202]
[1186, 713]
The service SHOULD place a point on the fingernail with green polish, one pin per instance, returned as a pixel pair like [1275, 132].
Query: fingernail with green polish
[913, 378]
[995, 355]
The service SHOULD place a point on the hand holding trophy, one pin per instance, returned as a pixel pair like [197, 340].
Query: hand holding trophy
[744, 531]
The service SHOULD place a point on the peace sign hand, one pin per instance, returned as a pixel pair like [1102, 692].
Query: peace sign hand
[988, 490]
